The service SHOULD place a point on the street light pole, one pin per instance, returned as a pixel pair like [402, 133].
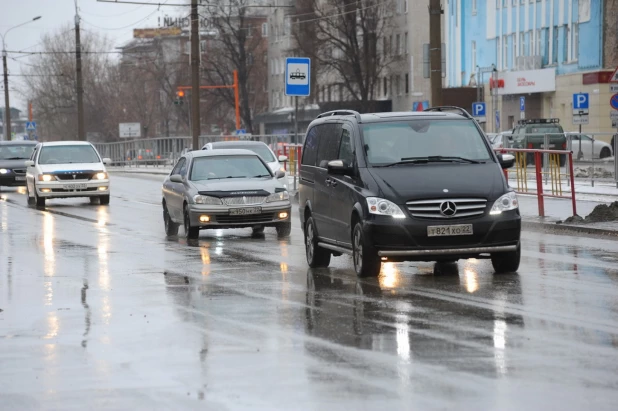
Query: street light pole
[7, 105]
[195, 76]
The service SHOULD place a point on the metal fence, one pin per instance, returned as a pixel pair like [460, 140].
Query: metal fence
[165, 151]
[593, 156]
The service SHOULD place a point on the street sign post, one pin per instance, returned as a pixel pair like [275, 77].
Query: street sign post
[581, 108]
[128, 130]
[479, 111]
[297, 76]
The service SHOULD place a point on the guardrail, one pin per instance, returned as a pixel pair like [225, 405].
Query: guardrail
[553, 173]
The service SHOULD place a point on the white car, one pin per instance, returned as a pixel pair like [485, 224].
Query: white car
[66, 169]
[499, 140]
[601, 148]
[259, 148]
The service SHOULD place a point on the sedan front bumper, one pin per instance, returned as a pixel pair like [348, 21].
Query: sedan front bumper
[272, 214]
[66, 189]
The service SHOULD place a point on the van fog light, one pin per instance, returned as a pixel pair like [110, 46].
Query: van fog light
[283, 215]
[204, 219]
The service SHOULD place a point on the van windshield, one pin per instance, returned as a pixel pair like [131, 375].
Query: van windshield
[392, 142]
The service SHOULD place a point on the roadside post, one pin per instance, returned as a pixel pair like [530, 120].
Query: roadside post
[297, 83]
[581, 112]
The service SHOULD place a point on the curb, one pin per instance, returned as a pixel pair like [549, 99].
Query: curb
[567, 228]
[138, 171]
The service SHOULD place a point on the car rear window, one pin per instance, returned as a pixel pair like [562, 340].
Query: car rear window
[389, 142]
[261, 150]
[223, 167]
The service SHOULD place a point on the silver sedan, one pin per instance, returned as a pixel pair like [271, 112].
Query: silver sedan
[217, 189]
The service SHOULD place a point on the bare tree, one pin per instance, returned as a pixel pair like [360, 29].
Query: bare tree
[236, 43]
[51, 85]
[349, 41]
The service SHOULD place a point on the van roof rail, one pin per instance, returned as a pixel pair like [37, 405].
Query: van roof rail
[341, 113]
[450, 108]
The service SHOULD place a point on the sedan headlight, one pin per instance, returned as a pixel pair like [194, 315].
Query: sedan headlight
[46, 177]
[505, 203]
[207, 200]
[4, 171]
[381, 206]
[100, 176]
[281, 196]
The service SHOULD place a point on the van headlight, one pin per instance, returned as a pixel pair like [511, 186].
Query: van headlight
[505, 203]
[381, 206]
[207, 200]
[280, 196]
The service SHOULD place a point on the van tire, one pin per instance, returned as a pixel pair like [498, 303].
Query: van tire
[316, 255]
[366, 260]
[506, 263]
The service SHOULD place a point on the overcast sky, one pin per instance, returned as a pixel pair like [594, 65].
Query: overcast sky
[117, 21]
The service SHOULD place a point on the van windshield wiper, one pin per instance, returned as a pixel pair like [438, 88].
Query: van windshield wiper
[440, 159]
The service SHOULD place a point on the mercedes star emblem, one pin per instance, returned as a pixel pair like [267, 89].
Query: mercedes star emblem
[448, 209]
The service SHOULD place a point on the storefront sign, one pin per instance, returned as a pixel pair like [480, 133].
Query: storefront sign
[529, 81]
[158, 32]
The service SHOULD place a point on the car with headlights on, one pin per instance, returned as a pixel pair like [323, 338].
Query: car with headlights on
[227, 188]
[13, 157]
[258, 147]
[410, 186]
[66, 169]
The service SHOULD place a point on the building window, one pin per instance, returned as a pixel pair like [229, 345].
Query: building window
[498, 52]
[407, 83]
[565, 43]
[522, 44]
[264, 29]
[398, 44]
[474, 7]
[505, 52]
[473, 56]
[537, 49]
[513, 49]
[575, 55]
[405, 43]
[398, 84]
[554, 51]
[546, 56]
[405, 6]
[385, 88]
[530, 44]
[498, 4]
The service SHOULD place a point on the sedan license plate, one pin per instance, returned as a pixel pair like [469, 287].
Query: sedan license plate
[246, 211]
[550, 146]
[20, 178]
[74, 186]
[449, 230]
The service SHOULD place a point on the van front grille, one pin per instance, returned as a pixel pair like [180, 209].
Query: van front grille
[447, 208]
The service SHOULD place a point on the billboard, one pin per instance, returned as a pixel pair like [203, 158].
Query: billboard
[156, 32]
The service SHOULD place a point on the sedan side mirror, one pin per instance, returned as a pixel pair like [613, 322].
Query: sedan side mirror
[279, 174]
[29, 163]
[339, 167]
[283, 158]
[107, 161]
[506, 160]
[176, 178]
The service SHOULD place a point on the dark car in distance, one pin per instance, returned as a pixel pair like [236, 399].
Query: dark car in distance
[411, 186]
[13, 157]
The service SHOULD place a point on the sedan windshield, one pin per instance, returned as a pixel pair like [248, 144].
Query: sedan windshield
[428, 140]
[68, 154]
[16, 151]
[222, 167]
[261, 150]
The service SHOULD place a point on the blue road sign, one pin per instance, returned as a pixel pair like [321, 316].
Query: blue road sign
[297, 76]
[497, 119]
[581, 101]
[30, 125]
[479, 109]
[614, 102]
[522, 104]
[241, 131]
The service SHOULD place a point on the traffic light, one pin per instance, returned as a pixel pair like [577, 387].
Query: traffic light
[180, 97]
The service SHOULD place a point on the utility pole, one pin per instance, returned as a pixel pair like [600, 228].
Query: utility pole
[7, 107]
[435, 51]
[195, 76]
[81, 135]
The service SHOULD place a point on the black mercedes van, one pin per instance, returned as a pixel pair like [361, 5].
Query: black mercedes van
[410, 186]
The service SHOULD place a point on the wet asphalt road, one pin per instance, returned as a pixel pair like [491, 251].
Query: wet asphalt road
[101, 311]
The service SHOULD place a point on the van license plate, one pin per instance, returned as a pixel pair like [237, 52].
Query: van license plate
[449, 230]
[246, 211]
[74, 186]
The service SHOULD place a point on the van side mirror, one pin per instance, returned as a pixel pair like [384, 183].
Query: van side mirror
[506, 160]
[340, 167]
[176, 178]
[29, 163]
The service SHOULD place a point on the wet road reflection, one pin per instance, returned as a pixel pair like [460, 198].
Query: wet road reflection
[110, 311]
